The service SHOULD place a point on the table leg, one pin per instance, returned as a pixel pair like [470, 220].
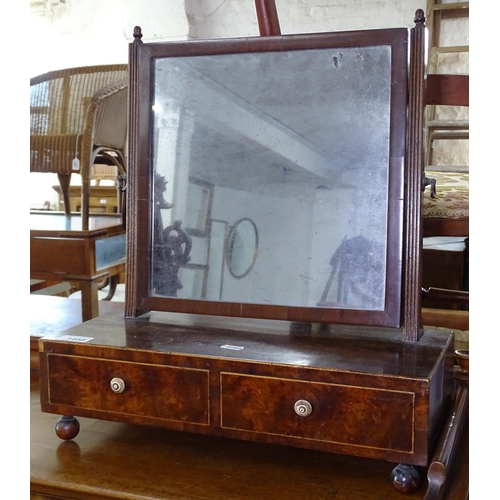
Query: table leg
[90, 299]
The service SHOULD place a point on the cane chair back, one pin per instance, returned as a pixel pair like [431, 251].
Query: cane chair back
[78, 118]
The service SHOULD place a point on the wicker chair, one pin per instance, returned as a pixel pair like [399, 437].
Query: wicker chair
[78, 119]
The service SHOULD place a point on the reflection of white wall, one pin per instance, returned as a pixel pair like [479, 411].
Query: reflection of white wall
[167, 123]
[297, 238]
[281, 271]
[350, 213]
[216, 271]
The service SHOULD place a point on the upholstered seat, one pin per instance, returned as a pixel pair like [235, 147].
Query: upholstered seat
[452, 196]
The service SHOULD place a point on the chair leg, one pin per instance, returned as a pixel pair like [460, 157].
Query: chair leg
[64, 181]
[121, 194]
[113, 282]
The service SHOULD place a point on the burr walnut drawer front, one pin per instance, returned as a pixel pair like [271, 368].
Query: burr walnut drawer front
[156, 391]
[344, 414]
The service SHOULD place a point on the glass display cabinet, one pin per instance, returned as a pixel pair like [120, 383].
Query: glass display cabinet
[273, 253]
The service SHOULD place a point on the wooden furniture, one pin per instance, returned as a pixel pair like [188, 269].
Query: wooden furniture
[104, 173]
[264, 355]
[112, 460]
[61, 249]
[447, 126]
[68, 469]
[446, 212]
[78, 118]
[209, 380]
[445, 264]
[447, 119]
[102, 199]
[52, 286]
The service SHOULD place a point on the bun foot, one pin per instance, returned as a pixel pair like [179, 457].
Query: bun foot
[405, 478]
[67, 427]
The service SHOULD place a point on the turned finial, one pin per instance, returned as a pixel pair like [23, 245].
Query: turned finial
[419, 17]
[137, 34]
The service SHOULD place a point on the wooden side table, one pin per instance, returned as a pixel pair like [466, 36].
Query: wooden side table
[103, 199]
[60, 249]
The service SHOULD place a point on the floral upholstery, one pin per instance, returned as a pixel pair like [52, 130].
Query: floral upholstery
[452, 195]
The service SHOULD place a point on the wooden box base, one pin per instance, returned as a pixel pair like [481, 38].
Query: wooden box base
[111, 460]
[354, 390]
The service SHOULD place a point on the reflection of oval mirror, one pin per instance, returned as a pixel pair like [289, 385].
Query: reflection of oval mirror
[241, 249]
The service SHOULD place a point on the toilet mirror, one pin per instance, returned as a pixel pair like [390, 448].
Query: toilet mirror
[298, 145]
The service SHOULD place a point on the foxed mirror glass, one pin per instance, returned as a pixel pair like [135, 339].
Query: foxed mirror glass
[302, 136]
[241, 248]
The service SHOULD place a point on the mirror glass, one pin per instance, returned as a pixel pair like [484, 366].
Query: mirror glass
[241, 250]
[295, 143]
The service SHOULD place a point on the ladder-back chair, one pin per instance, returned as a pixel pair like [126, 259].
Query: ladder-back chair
[447, 213]
[446, 206]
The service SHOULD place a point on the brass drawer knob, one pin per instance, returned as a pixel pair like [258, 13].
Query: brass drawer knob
[117, 385]
[303, 408]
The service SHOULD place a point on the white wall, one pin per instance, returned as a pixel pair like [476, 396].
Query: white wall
[77, 33]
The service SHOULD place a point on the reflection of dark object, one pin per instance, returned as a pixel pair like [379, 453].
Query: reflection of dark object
[160, 186]
[122, 198]
[432, 182]
[241, 248]
[68, 452]
[360, 273]
[171, 246]
[175, 254]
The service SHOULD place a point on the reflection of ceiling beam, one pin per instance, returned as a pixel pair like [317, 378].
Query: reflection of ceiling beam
[212, 104]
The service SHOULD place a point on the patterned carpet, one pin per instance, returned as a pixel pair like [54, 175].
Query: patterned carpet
[452, 195]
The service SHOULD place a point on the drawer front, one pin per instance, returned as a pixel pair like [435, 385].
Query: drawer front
[351, 415]
[58, 256]
[149, 390]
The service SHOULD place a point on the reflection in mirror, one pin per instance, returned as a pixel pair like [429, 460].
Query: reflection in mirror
[241, 250]
[193, 280]
[296, 141]
[356, 264]
[215, 278]
[199, 204]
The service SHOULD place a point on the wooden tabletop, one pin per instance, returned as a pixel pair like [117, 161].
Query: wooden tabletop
[50, 314]
[58, 224]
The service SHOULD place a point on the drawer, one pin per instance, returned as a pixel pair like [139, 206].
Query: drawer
[156, 391]
[343, 414]
[58, 256]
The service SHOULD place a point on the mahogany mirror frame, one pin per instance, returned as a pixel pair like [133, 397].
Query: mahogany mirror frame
[139, 299]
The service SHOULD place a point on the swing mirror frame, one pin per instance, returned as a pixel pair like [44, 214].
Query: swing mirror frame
[145, 81]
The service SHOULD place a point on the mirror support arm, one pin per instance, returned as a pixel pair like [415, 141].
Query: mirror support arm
[267, 16]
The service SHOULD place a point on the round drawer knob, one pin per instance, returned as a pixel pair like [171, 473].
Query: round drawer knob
[303, 408]
[117, 385]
